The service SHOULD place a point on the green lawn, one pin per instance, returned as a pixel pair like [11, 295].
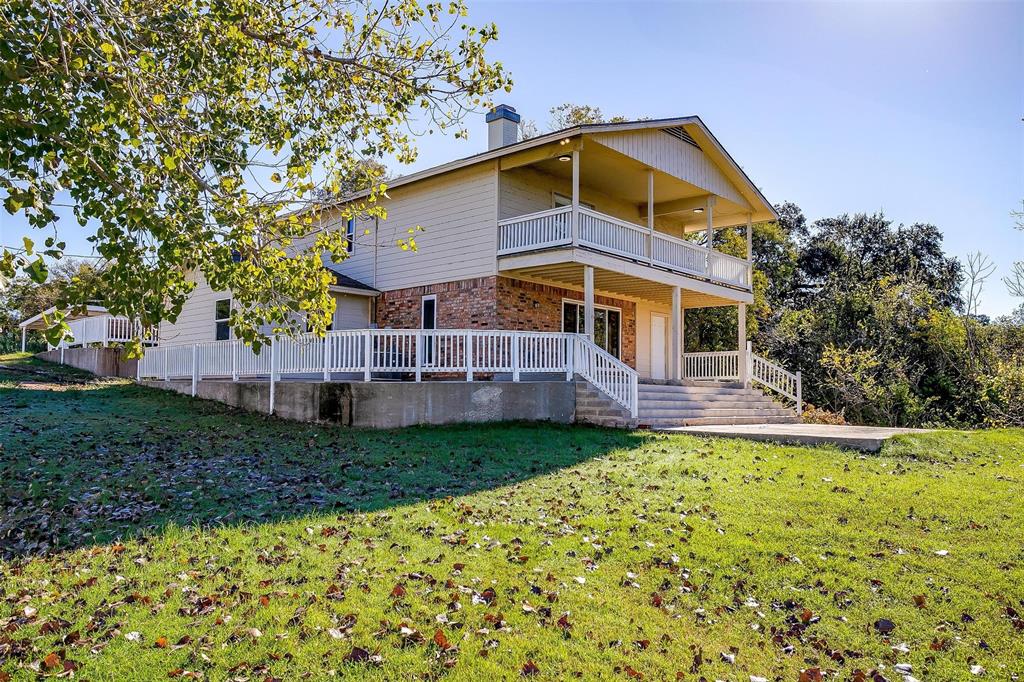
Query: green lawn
[146, 535]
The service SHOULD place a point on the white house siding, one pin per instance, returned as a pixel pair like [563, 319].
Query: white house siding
[675, 157]
[458, 212]
[195, 324]
[524, 190]
[643, 335]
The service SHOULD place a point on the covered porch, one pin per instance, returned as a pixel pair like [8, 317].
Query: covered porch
[635, 313]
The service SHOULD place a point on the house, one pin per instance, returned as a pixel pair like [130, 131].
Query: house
[598, 231]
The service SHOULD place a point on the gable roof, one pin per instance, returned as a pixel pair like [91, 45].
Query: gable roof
[704, 140]
[344, 283]
[36, 321]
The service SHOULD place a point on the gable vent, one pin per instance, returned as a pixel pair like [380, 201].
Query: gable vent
[680, 134]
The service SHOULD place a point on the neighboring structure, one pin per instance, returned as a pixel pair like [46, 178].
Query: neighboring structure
[90, 324]
[600, 230]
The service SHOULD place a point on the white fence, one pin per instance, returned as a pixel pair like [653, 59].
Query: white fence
[415, 352]
[105, 329]
[724, 366]
[621, 238]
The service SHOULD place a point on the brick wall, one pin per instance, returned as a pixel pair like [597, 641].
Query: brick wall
[466, 304]
[497, 303]
[528, 306]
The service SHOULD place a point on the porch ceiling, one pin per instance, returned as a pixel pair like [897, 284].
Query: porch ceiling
[614, 284]
[620, 176]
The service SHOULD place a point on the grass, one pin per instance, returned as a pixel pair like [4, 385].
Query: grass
[147, 535]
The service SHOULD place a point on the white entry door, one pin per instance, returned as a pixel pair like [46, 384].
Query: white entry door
[658, 323]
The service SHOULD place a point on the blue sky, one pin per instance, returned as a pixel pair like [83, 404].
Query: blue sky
[910, 108]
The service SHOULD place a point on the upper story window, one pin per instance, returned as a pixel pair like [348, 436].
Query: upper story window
[350, 235]
[221, 319]
[561, 200]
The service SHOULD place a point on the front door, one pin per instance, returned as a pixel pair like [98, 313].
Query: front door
[658, 323]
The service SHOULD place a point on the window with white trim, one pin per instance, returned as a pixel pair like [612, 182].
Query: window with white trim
[222, 319]
[350, 235]
[607, 325]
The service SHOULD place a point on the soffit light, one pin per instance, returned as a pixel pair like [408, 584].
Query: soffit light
[565, 157]
[698, 210]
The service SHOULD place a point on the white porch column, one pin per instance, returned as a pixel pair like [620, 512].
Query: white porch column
[682, 343]
[741, 344]
[677, 335]
[575, 197]
[588, 301]
[23, 331]
[750, 250]
[709, 213]
[650, 215]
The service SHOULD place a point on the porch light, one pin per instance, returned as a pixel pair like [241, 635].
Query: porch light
[698, 210]
[565, 157]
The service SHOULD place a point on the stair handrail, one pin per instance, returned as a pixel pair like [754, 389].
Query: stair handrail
[775, 377]
[607, 373]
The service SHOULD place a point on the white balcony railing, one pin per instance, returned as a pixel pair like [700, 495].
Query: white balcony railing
[604, 233]
[105, 330]
[416, 352]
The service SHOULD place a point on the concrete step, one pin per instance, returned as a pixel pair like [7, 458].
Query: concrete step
[655, 403]
[685, 390]
[699, 413]
[709, 421]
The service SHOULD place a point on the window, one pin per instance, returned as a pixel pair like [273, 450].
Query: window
[428, 320]
[221, 317]
[350, 235]
[607, 324]
[561, 200]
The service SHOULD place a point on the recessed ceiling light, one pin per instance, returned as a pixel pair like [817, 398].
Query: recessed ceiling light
[565, 157]
[698, 210]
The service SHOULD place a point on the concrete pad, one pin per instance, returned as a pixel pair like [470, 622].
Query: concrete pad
[869, 438]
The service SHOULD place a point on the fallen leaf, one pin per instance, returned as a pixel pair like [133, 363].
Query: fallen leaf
[52, 661]
[441, 641]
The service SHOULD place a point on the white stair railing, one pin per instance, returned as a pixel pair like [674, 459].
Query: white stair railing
[724, 366]
[776, 378]
[419, 352]
[608, 374]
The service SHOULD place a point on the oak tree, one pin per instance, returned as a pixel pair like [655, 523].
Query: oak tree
[201, 135]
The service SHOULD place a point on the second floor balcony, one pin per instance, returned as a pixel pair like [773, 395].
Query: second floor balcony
[653, 199]
[590, 229]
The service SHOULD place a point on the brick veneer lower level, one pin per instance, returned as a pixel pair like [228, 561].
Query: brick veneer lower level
[497, 303]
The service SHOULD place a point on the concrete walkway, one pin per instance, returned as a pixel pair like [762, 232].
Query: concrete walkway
[868, 438]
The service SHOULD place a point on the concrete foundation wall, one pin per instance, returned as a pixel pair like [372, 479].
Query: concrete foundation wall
[104, 362]
[393, 405]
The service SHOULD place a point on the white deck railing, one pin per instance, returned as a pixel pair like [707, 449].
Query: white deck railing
[724, 366]
[717, 366]
[416, 352]
[104, 330]
[604, 233]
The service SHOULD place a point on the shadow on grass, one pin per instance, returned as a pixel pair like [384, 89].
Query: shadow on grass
[92, 464]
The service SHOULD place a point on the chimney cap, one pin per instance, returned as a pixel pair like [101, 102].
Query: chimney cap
[503, 111]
